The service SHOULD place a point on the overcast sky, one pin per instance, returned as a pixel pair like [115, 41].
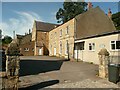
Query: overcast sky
[19, 16]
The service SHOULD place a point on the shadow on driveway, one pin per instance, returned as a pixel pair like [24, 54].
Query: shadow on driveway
[40, 85]
[32, 67]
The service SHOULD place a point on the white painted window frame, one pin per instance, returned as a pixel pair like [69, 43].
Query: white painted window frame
[115, 45]
[93, 49]
[66, 47]
[26, 49]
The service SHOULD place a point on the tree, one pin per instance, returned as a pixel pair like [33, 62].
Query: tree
[116, 20]
[70, 10]
[6, 40]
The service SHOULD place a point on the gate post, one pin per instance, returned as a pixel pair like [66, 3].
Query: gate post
[12, 67]
[104, 61]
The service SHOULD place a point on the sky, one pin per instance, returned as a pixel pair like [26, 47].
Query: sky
[19, 16]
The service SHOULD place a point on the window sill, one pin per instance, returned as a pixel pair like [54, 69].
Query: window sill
[116, 50]
[92, 50]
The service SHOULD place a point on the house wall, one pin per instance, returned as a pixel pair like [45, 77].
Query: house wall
[42, 42]
[100, 42]
[30, 46]
[55, 39]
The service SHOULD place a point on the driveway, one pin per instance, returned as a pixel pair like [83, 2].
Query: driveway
[43, 71]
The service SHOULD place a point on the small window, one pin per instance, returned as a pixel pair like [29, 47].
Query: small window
[117, 44]
[51, 36]
[91, 46]
[67, 47]
[33, 49]
[82, 45]
[26, 49]
[60, 32]
[60, 47]
[67, 28]
[113, 45]
[55, 34]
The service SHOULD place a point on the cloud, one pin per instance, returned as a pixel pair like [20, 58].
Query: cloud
[53, 16]
[22, 24]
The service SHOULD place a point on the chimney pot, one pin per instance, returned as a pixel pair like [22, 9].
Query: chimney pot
[109, 13]
[89, 5]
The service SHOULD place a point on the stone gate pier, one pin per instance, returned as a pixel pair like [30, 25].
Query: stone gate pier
[10, 81]
[104, 61]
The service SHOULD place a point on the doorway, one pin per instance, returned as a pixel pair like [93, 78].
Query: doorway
[40, 51]
[54, 51]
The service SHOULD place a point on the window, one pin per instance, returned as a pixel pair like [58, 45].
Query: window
[67, 47]
[91, 46]
[60, 47]
[33, 49]
[55, 34]
[67, 28]
[115, 45]
[26, 49]
[82, 45]
[51, 36]
[60, 32]
[50, 49]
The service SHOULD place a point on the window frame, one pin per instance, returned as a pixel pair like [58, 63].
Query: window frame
[67, 29]
[66, 47]
[61, 33]
[60, 47]
[115, 45]
[26, 49]
[92, 46]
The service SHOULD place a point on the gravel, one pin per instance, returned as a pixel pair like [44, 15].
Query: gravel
[88, 83]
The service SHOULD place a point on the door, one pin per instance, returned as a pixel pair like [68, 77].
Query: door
[54, 51]
[40, 51]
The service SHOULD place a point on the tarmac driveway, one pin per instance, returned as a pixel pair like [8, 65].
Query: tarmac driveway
[42, 71]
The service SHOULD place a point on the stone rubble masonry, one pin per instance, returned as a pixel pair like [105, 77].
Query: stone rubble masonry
[104, 61]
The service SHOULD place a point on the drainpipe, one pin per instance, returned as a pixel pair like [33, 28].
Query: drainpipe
[68, 51]
[75, 36]
[77, 51]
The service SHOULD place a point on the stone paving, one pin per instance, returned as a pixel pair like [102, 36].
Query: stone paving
[51, 72]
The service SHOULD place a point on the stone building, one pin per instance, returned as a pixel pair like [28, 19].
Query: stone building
[83, 36]
[94, 31]
[26, 44]
[61, 40]
[40, 37]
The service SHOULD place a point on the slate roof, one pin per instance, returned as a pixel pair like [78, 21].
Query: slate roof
[93, 22]
[24, 38]
[44, 26]
[103, 34]
[20, 36]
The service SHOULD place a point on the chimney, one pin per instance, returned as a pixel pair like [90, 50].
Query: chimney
[13, 34]
[109, 13]
[89, 5]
